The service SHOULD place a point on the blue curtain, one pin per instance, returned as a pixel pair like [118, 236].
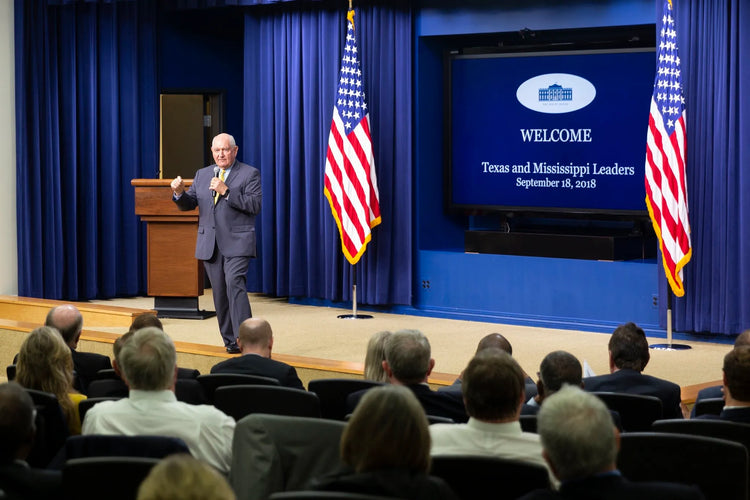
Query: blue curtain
[714, 44]
[292, 61]
[86, 114]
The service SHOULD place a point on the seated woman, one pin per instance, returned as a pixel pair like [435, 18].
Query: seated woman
[386, 446]
[45, 364]
[375, 356]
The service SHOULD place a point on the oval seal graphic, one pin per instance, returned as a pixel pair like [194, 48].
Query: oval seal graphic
[556, 93]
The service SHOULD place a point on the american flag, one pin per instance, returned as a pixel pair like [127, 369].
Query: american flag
[666, 195]
[351, 185]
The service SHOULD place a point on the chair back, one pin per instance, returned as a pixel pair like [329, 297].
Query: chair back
[100, 445]
[717, 466]
[437, 419]
[238, 401]
[108, 388]
[711, 406]
[86, 404]
[113, 478]
[51, 429]
[10, 372]
[477, 478]
[637, 412]
[528, 423]
[107, 374]
[211, 381]
[333, 495]
[274, 453]
[332, 393]
[189, 390]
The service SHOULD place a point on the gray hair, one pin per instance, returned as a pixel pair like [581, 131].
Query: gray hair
[408, 354]
[578, 434]
[148, 360]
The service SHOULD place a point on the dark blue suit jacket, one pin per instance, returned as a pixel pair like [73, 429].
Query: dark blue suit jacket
[741, 415]
[86, 366]
[616, 487]
[252, 364]
[633, 382]
[230, 223]
[434, 402]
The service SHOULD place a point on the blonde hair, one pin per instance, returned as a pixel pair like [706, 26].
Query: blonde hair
[375, 356]
[182, 477]
[45, 364]
[388, 429]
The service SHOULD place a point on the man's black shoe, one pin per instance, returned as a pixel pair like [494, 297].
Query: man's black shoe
[233, 349]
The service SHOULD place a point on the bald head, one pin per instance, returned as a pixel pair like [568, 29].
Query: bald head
[68, 321]
[494, 341]
[255, 337]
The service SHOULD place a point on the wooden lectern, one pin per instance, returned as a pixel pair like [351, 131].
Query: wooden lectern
[175, 276]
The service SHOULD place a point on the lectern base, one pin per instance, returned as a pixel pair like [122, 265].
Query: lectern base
[180, 308]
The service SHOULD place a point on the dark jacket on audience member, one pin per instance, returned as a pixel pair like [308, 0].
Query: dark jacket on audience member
[634, 382]
[434, 402]
[255, 364]
[18, 480]
[740, 415]
[391, 483]
[616, 487]
[86, 365]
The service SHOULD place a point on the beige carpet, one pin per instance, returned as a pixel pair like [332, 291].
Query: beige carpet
[317, 332]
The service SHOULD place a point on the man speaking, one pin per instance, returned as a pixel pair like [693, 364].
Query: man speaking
[228, 197]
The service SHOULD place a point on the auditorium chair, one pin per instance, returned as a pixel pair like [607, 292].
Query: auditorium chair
[275, 453]
[51, 429]
[711, 406]
[637, 412]
[528, 423]
[113, 478]
[321, 495]
[482, 477]
[210, 381]
[717, 466]
[238, 401]
[86, 404]
[333, 392]
[10, 372]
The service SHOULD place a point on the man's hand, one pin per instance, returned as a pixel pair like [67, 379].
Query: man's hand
[178, 186]
[218, 186]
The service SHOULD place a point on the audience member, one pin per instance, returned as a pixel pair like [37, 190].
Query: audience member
[148, 363]
[145, 320]
[69, 322]
[387, 446]
[493, 394]
[557, 368]
[492, 341]
[375, 357]
[17, 430]
[715, 391]
[628, 356]
[736, 380]
[45, 364]
[182, 477]
[408, 362]
[255, 341]
[580, 443]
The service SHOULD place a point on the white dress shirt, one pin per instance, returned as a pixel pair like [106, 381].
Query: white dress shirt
[208, 432]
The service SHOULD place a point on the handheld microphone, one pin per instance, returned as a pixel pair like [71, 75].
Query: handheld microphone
[216, 174]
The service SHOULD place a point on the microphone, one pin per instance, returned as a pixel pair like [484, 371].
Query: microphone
[216, 174]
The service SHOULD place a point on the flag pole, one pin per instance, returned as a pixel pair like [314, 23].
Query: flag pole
[354, 314]
[669, 346]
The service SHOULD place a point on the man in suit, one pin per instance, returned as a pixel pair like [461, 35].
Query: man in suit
[256, 343]
[557, 368]
[228, 197]
[580, 444]
[715, 391]
[628, 356]
[17, 430]
[736, 387]
[491, 341]
[408, 362]
[493, 387]
[69, 322]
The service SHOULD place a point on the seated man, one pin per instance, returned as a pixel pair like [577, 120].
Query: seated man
[491, 341]
[69, 321]
[736, 386]
[557, 369]
[408, 362]
[17, 430]
[715, 391]
[628, 356]
[149, 366]
[493, 394]
[580, 443]
[255, 341]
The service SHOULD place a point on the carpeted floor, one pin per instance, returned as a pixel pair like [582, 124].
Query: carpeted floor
[317, 332]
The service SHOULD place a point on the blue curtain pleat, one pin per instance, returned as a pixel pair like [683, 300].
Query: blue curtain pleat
[714, 46]
[87, 125]
[292, 60]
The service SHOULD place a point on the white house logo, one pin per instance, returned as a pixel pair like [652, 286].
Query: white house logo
[556, 93]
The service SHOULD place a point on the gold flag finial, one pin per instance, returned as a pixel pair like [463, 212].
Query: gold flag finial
[350, 14]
